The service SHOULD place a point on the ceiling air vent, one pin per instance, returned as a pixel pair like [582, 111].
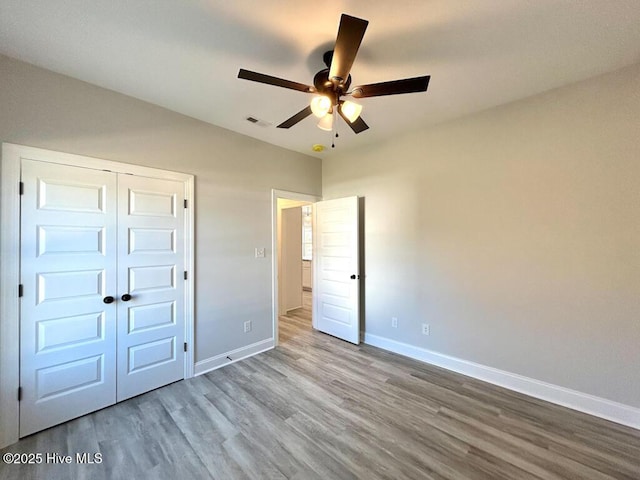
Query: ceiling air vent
[257, 121]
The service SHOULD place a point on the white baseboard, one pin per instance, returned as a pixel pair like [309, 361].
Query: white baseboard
[583, 402]
[204, 366]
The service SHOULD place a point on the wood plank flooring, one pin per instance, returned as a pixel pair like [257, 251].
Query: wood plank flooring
[320, 408]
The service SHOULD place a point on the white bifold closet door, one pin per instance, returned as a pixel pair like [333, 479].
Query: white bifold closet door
[101, 315]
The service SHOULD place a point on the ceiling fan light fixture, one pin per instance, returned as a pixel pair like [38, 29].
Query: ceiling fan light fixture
[326, 122]
[332, 83]
[320, 105]
[351, 110]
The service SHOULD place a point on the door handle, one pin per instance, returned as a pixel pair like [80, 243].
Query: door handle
[126, 297]
[353, 277]
[108, 299]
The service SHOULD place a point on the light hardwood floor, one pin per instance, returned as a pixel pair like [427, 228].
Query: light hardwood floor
[320, 408]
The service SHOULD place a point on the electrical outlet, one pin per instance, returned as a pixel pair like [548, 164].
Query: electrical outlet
[260, 252]
[247, 326]
[394, 322]
[426, 330]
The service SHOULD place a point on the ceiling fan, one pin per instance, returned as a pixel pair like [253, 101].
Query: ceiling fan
[333, 82]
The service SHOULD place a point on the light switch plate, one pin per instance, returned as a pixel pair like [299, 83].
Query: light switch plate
[260, 252]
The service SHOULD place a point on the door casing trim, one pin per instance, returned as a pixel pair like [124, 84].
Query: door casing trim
[12, 155]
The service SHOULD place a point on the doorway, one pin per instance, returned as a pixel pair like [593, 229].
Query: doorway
[292, 250]
[335, 267]
[295, 258]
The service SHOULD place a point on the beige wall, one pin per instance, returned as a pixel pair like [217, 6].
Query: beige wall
[515, 233]
[234, 177]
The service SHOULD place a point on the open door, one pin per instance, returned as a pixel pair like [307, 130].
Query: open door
[336, 285]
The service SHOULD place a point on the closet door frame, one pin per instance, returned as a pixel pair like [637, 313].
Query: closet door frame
[12, 156]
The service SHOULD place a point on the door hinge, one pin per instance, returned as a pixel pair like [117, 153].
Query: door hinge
[21, 188]
[20, 290]
[185, 274]
[185, 203]
[19, 394]
[185, 346]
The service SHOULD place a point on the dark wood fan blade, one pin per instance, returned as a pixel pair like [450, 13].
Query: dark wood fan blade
[359, 125]
[301, 115]
[394, 87]
[278, 82]
[350, 33]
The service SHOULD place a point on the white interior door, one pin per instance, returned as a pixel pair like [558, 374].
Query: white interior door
[151, 323]
[336, 286]
[68, 264]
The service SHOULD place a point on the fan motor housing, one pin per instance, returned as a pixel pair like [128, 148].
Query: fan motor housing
[325, 86]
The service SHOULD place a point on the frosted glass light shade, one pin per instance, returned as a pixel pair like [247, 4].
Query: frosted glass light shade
[326, 122]
[351, 110]
[320, 105]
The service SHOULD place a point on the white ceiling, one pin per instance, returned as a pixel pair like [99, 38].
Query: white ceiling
[185, 55]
